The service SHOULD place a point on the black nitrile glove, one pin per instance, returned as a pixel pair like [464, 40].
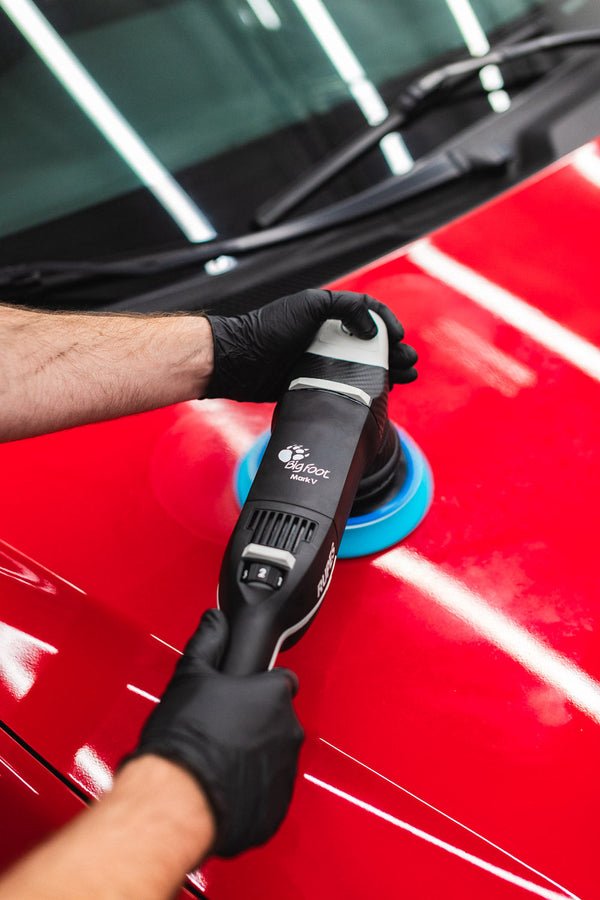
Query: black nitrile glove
[254, 354]
[239, 736]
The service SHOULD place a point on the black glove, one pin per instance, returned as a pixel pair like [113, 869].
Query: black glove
[254, 354]
[238, 736]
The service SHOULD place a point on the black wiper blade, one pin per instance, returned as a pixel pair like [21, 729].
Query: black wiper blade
[407, 107]
[427, 174]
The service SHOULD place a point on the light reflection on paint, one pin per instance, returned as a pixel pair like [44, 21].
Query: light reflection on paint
[91, 772]
[141, 693]
[512, 309]
[364, 92]
[16, 774]
[170, 646]
[20, 658]
[537, 657]
[495, 368]
[18, 571]
[500, 873]
[586, 161]
[198, 880]
[14, 568]
[446, 816]
[236, 435]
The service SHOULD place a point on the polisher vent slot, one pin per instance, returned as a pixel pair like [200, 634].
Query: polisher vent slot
[281, 530]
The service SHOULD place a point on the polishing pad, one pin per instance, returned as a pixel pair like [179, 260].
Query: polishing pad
[379, 529]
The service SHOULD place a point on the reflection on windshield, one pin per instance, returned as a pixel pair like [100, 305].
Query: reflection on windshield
[478, 45]
[65, 66]
[368, 98]
[191, 84]
[266, 15]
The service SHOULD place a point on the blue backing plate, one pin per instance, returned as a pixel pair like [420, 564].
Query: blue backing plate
[375, 531]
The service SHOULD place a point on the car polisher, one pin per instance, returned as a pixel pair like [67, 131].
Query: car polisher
[332, 452]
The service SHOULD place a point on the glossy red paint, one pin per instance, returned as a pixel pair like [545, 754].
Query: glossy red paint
[38, 802]
[450, 687]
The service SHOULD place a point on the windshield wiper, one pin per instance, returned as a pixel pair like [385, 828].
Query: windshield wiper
[406, 108]
[428, 173]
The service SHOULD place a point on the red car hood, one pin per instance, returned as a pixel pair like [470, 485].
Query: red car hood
[450, 686]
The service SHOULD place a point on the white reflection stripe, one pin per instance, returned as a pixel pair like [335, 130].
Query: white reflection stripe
[491, 78]
[478, 45]
[368, 99]
[331, 39]
[499, 101]
[106, 117]
[345, 62]
[450, 819]
[532, 653]
[141, 693]
[516, 312]
[495, 368]
[396, 153]
[170, 646]
[16, 774]
[265, 14]
[536, 889]
[469, 26]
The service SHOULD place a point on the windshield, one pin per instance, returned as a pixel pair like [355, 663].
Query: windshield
[99, 99]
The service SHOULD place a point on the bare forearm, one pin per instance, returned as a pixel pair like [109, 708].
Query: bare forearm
[58, 370]
[137, 842]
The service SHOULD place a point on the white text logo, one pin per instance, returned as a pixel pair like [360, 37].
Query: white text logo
[324, 579]
[293, 457]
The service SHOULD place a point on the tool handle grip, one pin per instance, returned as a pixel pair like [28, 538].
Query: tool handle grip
[252, 643]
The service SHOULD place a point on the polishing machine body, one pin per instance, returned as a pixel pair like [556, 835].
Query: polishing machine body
[327, 429]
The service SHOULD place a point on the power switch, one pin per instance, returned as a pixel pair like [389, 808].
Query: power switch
[258, 573]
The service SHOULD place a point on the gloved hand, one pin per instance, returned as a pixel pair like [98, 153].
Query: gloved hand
[238, 736]
[254, 354]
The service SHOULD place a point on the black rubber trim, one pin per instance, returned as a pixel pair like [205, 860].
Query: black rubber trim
[187, 885]
[438, 170]
[44, 762]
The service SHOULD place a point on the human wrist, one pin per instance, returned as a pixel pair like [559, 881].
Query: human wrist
[195, 343]
[170, 801]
